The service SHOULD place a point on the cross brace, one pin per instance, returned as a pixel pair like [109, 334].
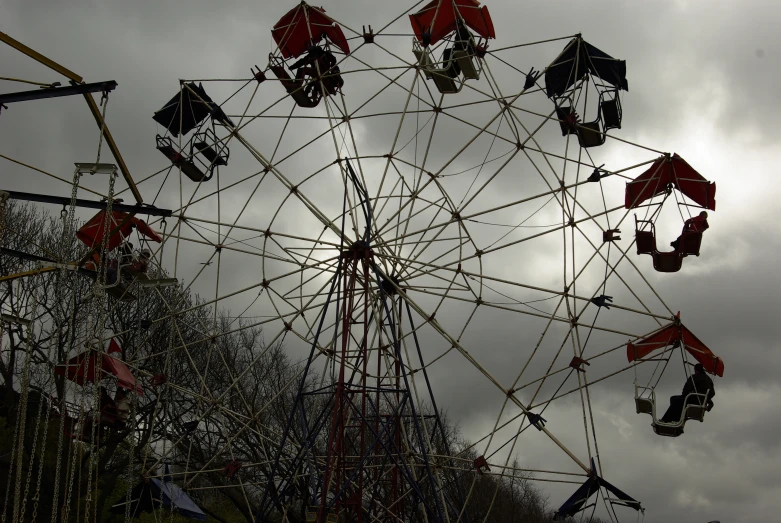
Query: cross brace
[55, 92]
[91, 204]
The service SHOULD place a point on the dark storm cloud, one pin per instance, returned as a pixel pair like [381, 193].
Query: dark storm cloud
[703, 78]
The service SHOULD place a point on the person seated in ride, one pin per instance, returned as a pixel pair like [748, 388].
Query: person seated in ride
[697, 224]
[698, 383]
[316, 63]
[325, 60]
[464, 39]
[125, 253]
[93, 263]
[313, 54]
[141, 264]
[111, 272]
[106, 407]
[122, 402]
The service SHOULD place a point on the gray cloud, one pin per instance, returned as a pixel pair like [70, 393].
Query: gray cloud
[702, 78]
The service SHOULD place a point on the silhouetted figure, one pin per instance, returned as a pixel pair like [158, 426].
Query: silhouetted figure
[141, 264]
[698, 383]
[697, 224]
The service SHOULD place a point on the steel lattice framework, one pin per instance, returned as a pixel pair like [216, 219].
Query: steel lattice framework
[384, 236]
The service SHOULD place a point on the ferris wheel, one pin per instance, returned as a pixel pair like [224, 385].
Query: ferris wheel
[417, 218]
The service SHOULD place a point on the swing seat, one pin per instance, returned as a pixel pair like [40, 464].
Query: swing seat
[211, 154]
[644, 406]
[645, 239]
[166, 146]
[667, 430]
[694, 408]
[445, 84]
[646, 243]
[443, 79]
[192, 172]
[294, 87]
[611, 111]
[590, 134]
[667, 261]
[696, 412]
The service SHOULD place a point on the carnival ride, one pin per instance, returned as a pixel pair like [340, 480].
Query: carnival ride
[399, 202]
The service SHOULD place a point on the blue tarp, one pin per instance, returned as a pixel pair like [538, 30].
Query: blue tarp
[149, 495]
[173, 495]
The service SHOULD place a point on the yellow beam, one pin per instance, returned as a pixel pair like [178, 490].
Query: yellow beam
[26, 273]
[93, 107]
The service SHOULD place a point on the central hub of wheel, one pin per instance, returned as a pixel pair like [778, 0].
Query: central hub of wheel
[358, 250]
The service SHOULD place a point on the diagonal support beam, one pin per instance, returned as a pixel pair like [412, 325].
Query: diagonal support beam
[93, 107]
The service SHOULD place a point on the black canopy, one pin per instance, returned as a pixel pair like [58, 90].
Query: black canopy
[196, 109]
[576, 502]
[578, 58]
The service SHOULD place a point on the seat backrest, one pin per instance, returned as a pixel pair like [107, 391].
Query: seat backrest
[690, 243]
[646, 242]
[644, 406]
[423, 61]
[281, 73]
[695, 405]
[611, 111]
[445, 84]
[466, 64]
[695, 412]
[590, 134]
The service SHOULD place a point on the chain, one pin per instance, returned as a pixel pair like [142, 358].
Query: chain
[4, 196]
[66, 240]
[131, 455]
[10, 468]
[32, 461]
[37, 496]
[132, 449]
[164, 225]
[71, 471]
[78, 480]
[22, 412]
[104, 103]
[100, 306]
[67, 230]
[34, 445]
[63, 405]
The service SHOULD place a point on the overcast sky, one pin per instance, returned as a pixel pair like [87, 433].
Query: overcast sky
[703, 78]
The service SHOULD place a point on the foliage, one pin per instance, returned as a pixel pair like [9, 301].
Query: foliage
[214, 393]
